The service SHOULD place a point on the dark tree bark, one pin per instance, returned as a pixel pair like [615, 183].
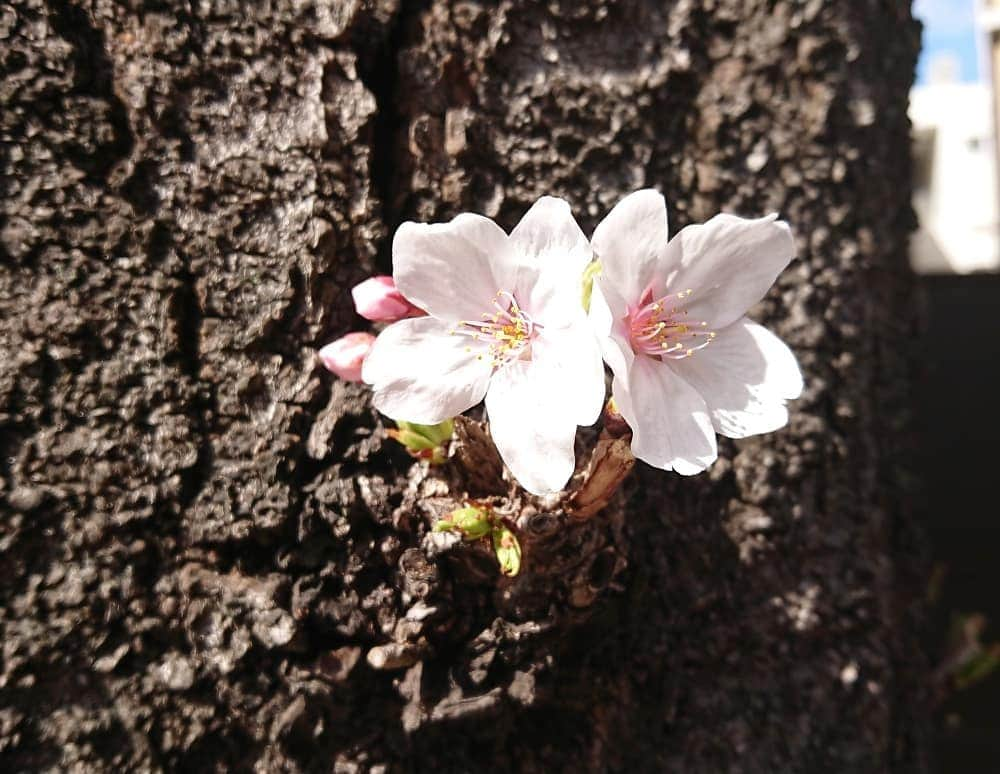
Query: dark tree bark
[213, 559]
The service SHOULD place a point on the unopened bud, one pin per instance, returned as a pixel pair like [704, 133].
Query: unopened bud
[345, 356]
[507, 549]
[472, 523]
[614, 422]
[378, 299]
[425, 442]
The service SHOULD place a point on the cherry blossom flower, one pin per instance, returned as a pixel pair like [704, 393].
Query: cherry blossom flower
[505, 322]
[378, 299]
[345, 355]
[670, 315]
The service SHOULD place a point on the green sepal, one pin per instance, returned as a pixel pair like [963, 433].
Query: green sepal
[507, 549]
[436, 434]
[592, 270]
[425, 442]
[472, 523]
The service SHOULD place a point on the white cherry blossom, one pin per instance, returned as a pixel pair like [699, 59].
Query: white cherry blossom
[505, 322]
[670, 316]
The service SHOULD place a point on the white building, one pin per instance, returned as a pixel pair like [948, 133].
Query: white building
[955, 174]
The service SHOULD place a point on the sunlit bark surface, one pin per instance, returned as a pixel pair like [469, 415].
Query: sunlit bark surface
[213, 558]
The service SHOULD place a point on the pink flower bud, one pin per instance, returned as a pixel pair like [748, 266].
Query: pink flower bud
[377, 299]
[345, 355]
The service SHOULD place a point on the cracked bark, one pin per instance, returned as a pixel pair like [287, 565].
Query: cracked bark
[213, 559]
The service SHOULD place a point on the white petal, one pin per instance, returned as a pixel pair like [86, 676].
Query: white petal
[453, 270]
[534, 436]
[745, 376]
[671, 428]
[549, 231]
[423, 373]
[729, 264]
[572, 359]
[631, 241]
[607, 317]
[602, 315]
[553, 252]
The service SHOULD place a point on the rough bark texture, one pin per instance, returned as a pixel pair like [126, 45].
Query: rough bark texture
[208, 544]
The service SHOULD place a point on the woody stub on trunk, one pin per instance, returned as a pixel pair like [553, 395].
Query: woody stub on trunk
[213, 556]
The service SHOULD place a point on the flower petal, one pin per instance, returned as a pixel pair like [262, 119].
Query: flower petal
[729, 263]
[671, 428]
[745, 376]
[453, 270]
[572, 358]
[553, 252]
[607, 317]
[549, 231]
[423, 373]
[534, 436]
[631, 241]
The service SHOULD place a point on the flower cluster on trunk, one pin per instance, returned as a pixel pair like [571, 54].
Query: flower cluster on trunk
[477, 314]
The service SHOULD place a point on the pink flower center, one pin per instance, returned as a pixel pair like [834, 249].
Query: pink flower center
[661, 328]
[507, 330]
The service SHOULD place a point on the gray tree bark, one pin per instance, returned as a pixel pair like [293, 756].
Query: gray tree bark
[212, 559]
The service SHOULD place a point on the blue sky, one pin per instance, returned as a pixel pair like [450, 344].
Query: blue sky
[948, 30]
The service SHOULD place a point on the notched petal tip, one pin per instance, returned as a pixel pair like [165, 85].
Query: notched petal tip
[548, 226]
[552, 201]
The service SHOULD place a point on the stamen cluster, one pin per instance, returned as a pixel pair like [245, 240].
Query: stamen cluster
[659, 328]
[507, 331]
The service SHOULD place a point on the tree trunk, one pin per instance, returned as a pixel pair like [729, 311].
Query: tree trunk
[212, 557]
